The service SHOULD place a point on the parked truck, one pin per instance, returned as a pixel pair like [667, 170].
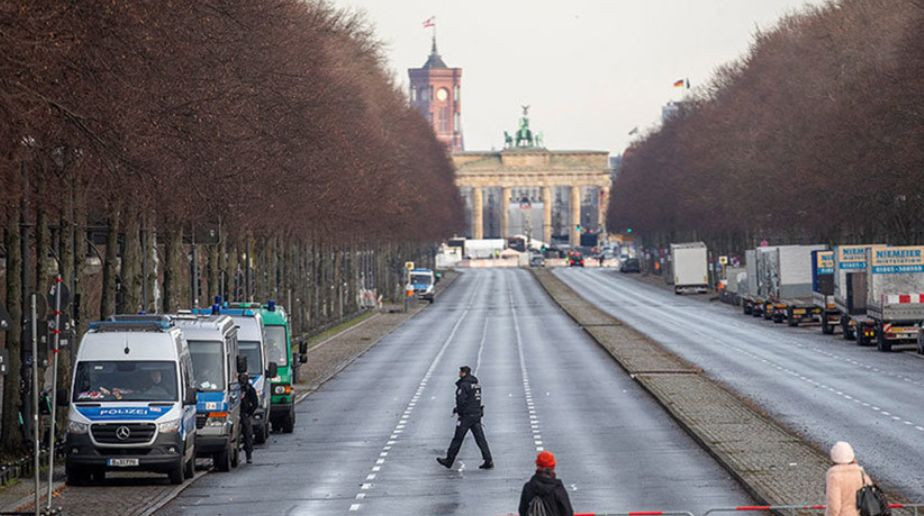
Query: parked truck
[790, 284]
[760, 282]
[689, 266]
[748, 291]
[823, 289]
[850, 266]
[735, 277]
[895, 296]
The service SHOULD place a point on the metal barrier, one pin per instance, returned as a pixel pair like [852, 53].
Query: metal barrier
[793, 509]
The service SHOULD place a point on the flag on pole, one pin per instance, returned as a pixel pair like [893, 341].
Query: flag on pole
[680, 83]
[429, 22]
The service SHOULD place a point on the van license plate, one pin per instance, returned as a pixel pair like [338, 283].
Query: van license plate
[122, 463]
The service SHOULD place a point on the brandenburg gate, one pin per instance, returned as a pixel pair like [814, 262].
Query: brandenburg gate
[525, 166]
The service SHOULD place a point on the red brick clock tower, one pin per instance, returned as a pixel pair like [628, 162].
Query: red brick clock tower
[436, 92]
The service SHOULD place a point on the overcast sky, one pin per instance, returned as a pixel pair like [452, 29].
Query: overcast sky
[591, 70]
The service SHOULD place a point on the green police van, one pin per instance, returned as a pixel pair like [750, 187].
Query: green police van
[278, 338]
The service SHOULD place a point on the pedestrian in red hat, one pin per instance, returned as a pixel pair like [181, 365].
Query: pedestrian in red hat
[544, 494]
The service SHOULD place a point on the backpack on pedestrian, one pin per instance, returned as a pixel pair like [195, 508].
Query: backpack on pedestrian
[537, 507]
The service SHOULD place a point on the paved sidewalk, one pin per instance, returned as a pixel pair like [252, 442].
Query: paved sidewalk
[140, 494]
[773, 464]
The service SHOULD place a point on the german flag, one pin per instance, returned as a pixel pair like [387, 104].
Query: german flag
[680, 83]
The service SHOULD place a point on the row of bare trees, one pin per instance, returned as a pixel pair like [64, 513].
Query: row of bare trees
[156, 154]
[817, 134]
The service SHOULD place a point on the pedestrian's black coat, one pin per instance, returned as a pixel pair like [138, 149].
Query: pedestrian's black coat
[249, 401]
[468, 397]
[552, 492]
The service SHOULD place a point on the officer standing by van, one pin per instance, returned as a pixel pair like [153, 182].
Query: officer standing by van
[469, 411]
[249, 403]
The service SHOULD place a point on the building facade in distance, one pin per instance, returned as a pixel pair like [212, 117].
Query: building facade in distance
[569, 188]
[436, 91]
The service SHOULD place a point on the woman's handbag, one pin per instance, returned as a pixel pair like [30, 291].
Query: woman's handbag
[871, 501]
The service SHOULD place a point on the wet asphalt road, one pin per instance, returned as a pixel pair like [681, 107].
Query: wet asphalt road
[366, 441]
[822, 386]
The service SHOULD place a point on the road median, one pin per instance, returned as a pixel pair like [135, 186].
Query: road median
[774, 465]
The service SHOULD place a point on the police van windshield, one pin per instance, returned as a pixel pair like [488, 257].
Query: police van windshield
[421, 278]
[254, 354]
[125, 381]
[208, 360]
[276, 345]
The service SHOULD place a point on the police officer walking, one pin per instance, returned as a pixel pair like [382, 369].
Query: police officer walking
[249, 404]
[469, 411]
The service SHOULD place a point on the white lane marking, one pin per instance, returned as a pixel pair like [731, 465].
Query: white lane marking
[530, 407]
[484, 336]
[402, 422]
[754, 356]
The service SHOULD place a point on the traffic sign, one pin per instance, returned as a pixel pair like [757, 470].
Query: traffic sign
[409, 265]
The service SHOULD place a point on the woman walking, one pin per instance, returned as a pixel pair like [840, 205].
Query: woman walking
[842, 481]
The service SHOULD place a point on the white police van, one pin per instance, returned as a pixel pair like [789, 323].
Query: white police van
[424, 283]
[213, 346]
[132, 401]
[252, 346]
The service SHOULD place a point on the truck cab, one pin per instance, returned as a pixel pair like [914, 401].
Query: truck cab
[424, 283]
[279, 350]
[213, 346]
[132, 402]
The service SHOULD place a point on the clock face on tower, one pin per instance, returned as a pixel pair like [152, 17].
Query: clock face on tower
[442, 94]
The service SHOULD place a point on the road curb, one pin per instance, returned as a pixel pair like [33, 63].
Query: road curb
[169, 496]
[771, 463]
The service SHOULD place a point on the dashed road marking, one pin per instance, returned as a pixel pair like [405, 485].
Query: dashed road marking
[806, 379]
[402, 421]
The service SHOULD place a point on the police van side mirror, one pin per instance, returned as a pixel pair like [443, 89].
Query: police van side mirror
[61, 398]
[190, 398]
[241, 364]
[302, 351]
[272, 370]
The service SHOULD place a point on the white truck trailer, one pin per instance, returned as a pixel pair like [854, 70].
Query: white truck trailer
[850, 267]
[689, 265]
[895, 296]
[760, 284]
[747, 291]
[790, 284]
[735, 278]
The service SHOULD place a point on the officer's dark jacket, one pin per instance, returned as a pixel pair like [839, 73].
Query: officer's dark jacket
[468, 397]
[551, 490]
[249, 399]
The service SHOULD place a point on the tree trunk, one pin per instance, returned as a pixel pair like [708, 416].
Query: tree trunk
[131, 264]
[107, 305]
[173, 276]
[11, 435]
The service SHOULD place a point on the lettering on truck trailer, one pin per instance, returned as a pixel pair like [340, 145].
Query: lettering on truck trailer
[852, 256]
[898, 260]
[825, 262]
